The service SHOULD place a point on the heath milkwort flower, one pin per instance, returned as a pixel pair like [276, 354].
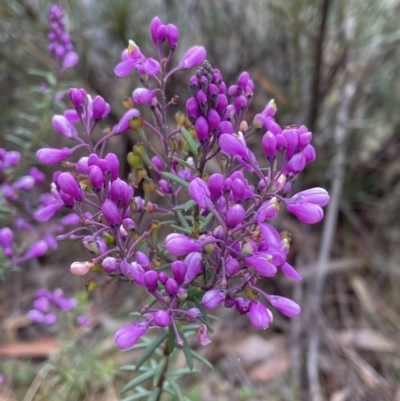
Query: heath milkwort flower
[213, 241]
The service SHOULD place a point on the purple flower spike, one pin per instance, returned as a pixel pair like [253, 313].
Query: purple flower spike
[64, 127]
[52, 156]
[123, 124]
[235, 215]
[111, 213]
[259, 315]
[212, 298]
[199, 192]
[171, 286]
[194, 266]
[262, 265]
[6, 237]
[179, 270]
[194, 56]
[285, 305]
[179, 244]
[126, 337]
[150, 279]
[143, 96]
[233, 145]
[68, 184]
[162, 318]
[38, 249]
[172, 36]
[202, 129]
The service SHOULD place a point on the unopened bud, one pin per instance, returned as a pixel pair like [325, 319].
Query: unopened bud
[128, 103]
[179, 119]
[81, 268]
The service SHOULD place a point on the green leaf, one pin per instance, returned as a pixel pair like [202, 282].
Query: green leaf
[186, 351]
[201, 358]
[151, 348]
[138, 380]
[171, 340]
[131, 368]
[154, 394]
[181, 229]
[48, 76]
[184, 164]
[190, 204]
[206, 221]
[183, 221]
[160, 370]
[194, 148]
[170, 391]
[176, 388]
[137, 396]
[176, 179]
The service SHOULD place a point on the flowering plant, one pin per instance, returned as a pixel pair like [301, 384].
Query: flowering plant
[201, 180]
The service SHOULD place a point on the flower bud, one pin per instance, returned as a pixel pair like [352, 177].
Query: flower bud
[126, 337]
[309, 153]
[215, 183]
[6, 237]
[242, 305]
[222, 104]
[243, 79]
[97, 179]
[194, 56]
[81, 268]
[292, 139]
[172, 36]
[202, 129]
[123, 124]
[109, 265]
[258, 314]
[269, 144]
[38, 249]
[52, 156]
[98, 108]
[212, 298]
[225, 127]
[262, 264]
[179, 270]
[199, 192]
[163, 277]
[213, 119]
[162, 318]
[143, 96]
[240, 104]
[213, 92]
[142, 259]
[182, 294]
[154, 25]
[285, 305]
[77, 96]
[162, 33]
[238, 189]
[68, 184]
[232, 266]
[235, 215]
[150, 280]
[193, 109]
[193, 263]
[193, 314]
[171, 286]
[111, 213]
[233, 145]
[63, 126]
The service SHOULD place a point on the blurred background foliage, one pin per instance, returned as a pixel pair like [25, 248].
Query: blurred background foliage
[331, 64]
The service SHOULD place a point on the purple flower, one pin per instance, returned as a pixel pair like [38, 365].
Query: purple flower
[215, 183]
[199, 192]
[63, 126]
[285, 305]
[6, 237]
[98, 108]
[194, 56]
[262, 264]
[154, 25]
[11, 159]
[179, 244]
[52, 156]
[83, 320]
[179, 270]
[202, 335]
[202, 129]
[70, 60]
[123, 124]
[126, 337]
[38, 249]
[36, 316]
[172, 36]
[269, 144]
[171, 286]
[77, 96]
[234, 145]
[212, 298]
[109, 264]
[259, 315]
[50, 319]
[194, 265]
[306, 212]
[144, 96]
[47, 212]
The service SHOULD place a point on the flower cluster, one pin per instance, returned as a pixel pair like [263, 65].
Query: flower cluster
[223, 245]
[15, 199]
[48, 307]
[60, 45]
